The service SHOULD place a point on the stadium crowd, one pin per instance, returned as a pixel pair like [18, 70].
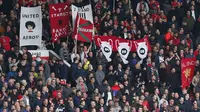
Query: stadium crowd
[92, 84]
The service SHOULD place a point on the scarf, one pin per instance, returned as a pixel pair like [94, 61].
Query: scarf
[82, 87]
[150, 65]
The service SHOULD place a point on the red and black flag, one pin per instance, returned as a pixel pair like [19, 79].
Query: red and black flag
[83, 30]
[59, 20]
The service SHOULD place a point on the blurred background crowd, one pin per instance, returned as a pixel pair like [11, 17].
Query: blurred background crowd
[92, 84]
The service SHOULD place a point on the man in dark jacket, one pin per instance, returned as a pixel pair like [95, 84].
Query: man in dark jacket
[119, 72]
[92, 60]
[188, 22]
[63, 70]
[67, 91]
[29, 56]
[91, 86]
[79, 72]
[187, 102]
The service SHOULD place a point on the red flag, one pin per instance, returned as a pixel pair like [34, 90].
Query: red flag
[59, 20]
[83, 30]
[187, 71]
[114, 38]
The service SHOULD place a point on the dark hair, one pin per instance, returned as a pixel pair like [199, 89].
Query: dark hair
[31, 23]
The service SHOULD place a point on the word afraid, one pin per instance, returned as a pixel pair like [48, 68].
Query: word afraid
[30, 37]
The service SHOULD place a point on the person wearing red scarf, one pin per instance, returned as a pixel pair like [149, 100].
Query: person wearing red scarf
[81, 85]
[196, 52]
[189, 41]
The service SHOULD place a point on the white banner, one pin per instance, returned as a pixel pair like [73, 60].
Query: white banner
[123, 50]
[84, 12]
[106, 48]
[142, 49]
[31, 26]
[43, 54]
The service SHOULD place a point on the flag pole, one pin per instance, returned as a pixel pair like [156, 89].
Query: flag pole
[113, 5]
[76, 48]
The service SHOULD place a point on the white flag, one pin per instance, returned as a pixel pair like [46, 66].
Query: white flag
[106, 48]
[31, 26]
[84, 12]
[124, 50]
[142, 49]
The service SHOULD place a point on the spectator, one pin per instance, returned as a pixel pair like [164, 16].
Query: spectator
[100, 75]
[154, 84]
[81, 85]
[5, 42]
[64, 53]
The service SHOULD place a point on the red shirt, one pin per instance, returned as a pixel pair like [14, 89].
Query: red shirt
[145, 103]
[21, 2]
[189, 42]
[154, 16]
[176, 41]
[175, 4]
[162, 17]
[5, 42]
[154, 4]
[97, 25]
[196, 52]
[168, 37]
[27, 2]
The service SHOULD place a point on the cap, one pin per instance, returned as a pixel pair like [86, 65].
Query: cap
[19, 97]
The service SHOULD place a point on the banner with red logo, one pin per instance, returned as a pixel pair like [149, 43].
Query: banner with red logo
[134, 44]
[59, 20]
[187, 71]
[83, 30]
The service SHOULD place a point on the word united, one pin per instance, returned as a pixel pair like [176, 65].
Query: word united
[30, 15]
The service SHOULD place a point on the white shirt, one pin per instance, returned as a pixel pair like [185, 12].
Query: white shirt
[193, 14]
[26, 100]
[109, 97]
[125, 35]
